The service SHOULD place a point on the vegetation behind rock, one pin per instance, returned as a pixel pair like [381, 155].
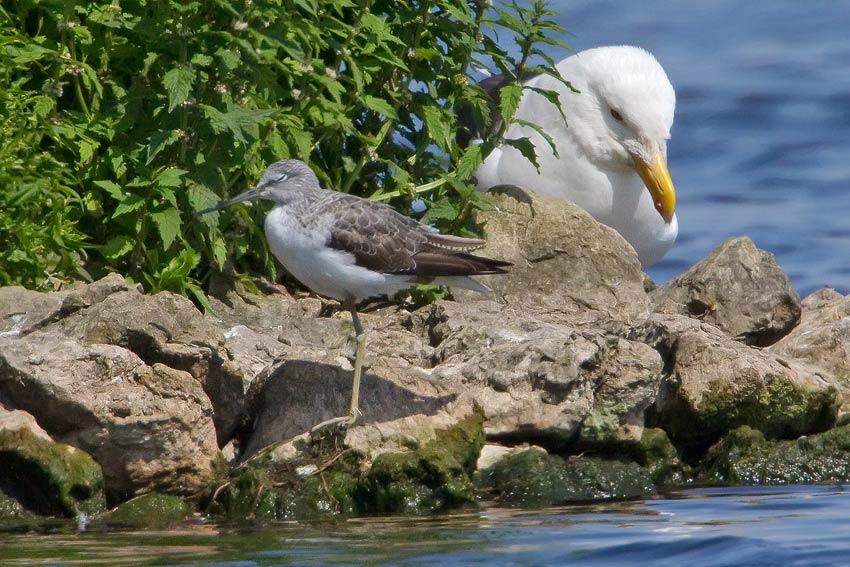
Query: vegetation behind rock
[120, 121]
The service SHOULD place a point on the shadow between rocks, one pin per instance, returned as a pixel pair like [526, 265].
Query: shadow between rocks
[298, 394]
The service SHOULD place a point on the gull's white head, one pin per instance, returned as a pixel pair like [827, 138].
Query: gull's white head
[623, 120]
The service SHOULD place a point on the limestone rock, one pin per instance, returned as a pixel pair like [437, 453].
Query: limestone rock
[22, 310]
[533, 380]
[715, 384]
[823, 338]
[397, 411]
[537, 381]
[168, 329]
[738, 289]
[745, 457]
[147, 426]
[535, 478]
[46, 477]
[566, 265]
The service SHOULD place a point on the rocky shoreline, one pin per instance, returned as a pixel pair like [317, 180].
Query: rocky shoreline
[576, 380]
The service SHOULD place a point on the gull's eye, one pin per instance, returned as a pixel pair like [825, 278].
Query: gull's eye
[617, 116]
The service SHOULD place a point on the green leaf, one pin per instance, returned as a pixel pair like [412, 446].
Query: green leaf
[526, 148]
[201, 60]
[171, 177]
[229, 59]
[200, 198]
[442, 209]
[43, 106]
[112, 188]
[129, 203]
[159, 141]
[178, 85]
[241, 122]
[148, 62]
[117, 246]
[168, 224]
[469, 161]
[438, 128]
[219, 250]
[87, 149]
[509, 101]
[380, 105]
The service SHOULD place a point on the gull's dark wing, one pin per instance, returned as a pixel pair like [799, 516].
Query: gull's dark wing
[384, 240]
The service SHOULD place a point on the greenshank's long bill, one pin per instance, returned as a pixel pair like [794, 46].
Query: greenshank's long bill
[349, 248]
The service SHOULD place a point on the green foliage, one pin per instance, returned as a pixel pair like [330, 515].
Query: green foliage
[121, 121]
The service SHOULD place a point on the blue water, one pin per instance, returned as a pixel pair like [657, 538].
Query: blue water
[761, 141]
[710, 527]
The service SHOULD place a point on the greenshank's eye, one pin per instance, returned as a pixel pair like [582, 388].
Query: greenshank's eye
[617, 116]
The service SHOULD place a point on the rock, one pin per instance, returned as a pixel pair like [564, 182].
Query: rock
[492, 453]
[534, 380]
[744, 456]
[45, 477]
[13, 515]
[23, 311]
[822, 339]
[657, 454]
[535, 478]
[432, 478]
[566, 265]
[85, 296]
[262, 312]
[147, 426]
[168, 329]
[738, 289]
[715, 384]
[148, 511]
[306, 481]
[541, 382]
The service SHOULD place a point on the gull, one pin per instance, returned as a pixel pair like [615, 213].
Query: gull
[612, 149]
[350, 249]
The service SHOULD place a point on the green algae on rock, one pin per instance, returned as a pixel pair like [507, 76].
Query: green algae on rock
[661, 458]
[151, 510]
[744, 456]
[49, 478]
[536, 478]
[430, 478]
[716, 384]
[13, 515]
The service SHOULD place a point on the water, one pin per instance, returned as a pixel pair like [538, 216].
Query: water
[708, 527]
[761, 141]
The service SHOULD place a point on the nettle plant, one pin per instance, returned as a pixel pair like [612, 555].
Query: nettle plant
[122, 120]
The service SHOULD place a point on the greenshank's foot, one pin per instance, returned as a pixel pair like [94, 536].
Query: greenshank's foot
[335, 423]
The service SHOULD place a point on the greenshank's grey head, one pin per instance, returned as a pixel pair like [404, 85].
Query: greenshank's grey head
[278, 183]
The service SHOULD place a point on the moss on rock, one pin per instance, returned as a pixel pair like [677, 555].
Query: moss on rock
[13, 515]
[430, 478]
[536, 478]
[778, 409]
[744, 456]
[48, 478]
[661, 459]
[151, 510]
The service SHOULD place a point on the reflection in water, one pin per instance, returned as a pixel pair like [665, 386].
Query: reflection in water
[741, 526]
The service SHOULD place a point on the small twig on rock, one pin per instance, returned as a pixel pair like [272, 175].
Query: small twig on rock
[331, 461]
